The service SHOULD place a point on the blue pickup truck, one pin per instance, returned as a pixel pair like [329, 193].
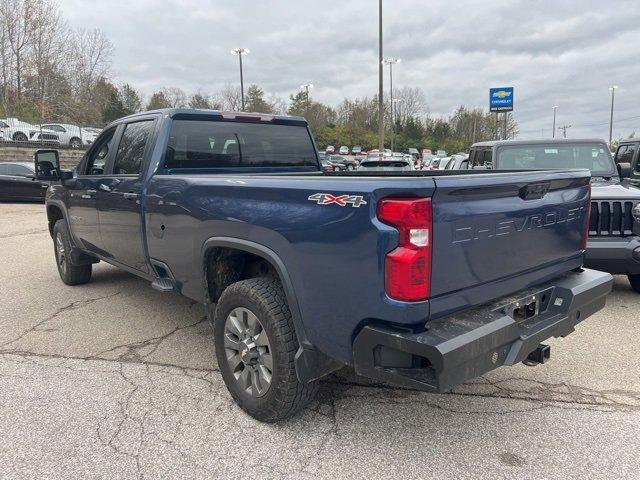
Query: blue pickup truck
[421, 278]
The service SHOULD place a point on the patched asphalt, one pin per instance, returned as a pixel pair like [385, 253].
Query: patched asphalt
[115, 380]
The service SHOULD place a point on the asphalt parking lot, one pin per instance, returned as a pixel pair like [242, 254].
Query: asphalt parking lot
[115, 380]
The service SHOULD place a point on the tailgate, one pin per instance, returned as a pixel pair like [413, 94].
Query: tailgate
[488, 228]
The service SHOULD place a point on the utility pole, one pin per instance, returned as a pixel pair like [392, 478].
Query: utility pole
[240, 52]
[306, 88]
[613, 96]
[380, 84]
[555, 107]
[391, 62]
[564, 130]
[504, 127]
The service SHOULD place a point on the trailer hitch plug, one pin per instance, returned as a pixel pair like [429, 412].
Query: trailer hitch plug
[542, 354]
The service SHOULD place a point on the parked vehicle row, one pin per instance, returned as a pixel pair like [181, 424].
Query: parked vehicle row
[58, 134]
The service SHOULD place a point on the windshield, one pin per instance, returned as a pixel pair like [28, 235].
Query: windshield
[592, 156]
[221, 144]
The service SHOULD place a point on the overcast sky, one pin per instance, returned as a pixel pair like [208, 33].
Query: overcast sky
[564, 53]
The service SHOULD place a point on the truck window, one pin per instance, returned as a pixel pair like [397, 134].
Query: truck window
[226, 144]
[487, 158]
[130, 155]
[97, 157]
[19, 171]
[593, 156]
[625, 153]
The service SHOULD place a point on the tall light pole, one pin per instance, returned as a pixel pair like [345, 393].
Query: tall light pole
[240, 52]
[555, 107]
[380, 84]
[306, 88]
[391, 62]
[613, 97]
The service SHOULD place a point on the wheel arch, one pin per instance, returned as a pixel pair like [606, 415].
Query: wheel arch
[54, 213]
[310, 362]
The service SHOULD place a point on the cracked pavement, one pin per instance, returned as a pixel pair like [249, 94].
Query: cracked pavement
[115, 380]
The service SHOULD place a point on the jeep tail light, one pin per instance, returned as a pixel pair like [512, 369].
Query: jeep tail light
[407, 268]
[587, 222]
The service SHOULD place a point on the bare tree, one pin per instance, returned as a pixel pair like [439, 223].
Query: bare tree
[90, 60]
[230, 98]
[48, 50]
[17, 20]
[411, 104]
[175, 96]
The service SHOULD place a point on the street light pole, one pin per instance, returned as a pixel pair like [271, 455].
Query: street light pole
[240, 52]
[555, 107]
[391, 62]
[613, 96]
[306, 88]
[380, 84]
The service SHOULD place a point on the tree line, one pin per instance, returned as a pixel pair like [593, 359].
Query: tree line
[51, 72]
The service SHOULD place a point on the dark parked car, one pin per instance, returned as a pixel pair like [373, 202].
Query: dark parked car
[614, 231]
[18, 182]
[344, 163]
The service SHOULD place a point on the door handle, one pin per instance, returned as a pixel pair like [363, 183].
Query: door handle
[90, 194]
[130, 195]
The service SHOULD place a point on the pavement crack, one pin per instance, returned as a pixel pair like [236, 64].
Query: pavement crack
[138, 351]
[38, 327]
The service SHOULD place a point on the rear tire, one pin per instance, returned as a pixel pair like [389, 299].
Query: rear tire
[256, 344]
[69, 273]
[634, 280]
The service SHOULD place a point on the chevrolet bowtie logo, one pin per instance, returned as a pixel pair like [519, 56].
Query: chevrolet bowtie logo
[502, 94]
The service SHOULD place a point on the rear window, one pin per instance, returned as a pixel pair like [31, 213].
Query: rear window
[223, 144]
[593, 156]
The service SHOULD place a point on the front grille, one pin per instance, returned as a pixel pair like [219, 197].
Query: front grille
[48, 136]
[611, 219]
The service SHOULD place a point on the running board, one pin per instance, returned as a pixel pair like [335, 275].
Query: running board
[164, 285]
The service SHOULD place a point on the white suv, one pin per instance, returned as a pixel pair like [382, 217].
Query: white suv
[71, 135]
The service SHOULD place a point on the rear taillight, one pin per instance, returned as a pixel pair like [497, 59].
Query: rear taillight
[587, 222]
[407, 268]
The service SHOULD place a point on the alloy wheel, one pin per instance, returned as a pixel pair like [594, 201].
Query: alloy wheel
[248, 351]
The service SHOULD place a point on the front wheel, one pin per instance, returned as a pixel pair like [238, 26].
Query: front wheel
[634, 280]
[256, 345]
[69, 273]
[75, 143]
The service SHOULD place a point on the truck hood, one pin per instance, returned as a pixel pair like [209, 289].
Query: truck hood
[613, 190]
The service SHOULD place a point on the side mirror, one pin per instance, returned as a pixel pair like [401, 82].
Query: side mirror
[624, 170]
[47, 163]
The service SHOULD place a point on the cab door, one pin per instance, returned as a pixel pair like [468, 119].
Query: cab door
[82, 192]
[119, 196]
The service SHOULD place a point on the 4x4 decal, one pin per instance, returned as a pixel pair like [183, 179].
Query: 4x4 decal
[341, 200]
